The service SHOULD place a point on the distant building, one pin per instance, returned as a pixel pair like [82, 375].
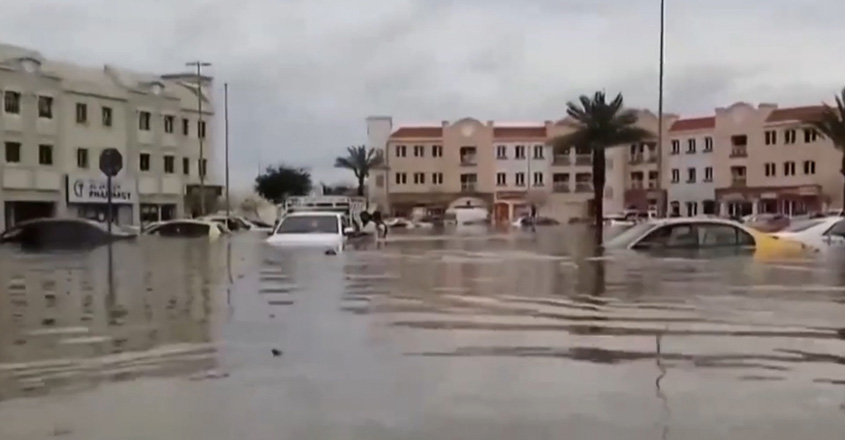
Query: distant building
[56, 119]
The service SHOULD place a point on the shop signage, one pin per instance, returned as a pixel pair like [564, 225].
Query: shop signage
[85, 189]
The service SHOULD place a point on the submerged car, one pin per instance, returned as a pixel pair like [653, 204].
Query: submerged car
[64, 233]
[232, 223]
[526, 221]
[318, 229]
[703, 234]
[187, 229]
[819, 233]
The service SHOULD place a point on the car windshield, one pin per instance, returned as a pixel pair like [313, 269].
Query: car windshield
[803, 225]
[309, 224]
[627, 237]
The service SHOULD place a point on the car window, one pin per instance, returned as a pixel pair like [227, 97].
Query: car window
[837, 230]
[626, 237]
[309, 224]
[718, 235]
[670, 236]
[182, 229]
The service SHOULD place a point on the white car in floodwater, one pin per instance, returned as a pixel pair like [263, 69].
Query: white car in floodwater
[819, 233]
[311, 229]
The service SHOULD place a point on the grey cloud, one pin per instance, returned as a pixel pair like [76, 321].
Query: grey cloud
[304, 74]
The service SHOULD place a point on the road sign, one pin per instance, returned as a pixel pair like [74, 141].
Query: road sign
[111, 162]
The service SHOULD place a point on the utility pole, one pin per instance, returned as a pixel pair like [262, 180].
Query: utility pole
[660, 110]
[200, 131]
[226, 128]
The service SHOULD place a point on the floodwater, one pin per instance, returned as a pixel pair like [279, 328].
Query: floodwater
[471, 337]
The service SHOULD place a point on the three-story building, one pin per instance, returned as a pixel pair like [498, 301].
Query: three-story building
[58, 117]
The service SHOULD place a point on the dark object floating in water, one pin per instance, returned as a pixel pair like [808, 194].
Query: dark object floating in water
[276, 352]
[331, 252]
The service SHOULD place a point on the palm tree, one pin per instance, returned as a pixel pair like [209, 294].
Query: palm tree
[360, 161]
[598, 125]
[830, 124]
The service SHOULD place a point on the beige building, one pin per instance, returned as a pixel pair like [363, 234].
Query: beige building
[56, 119]
[739, 161]
[505, 168]
[767, 160]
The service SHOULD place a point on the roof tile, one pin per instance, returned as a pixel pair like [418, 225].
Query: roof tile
[417, 132]
[519, 132]
[794, 113]
[694, 124]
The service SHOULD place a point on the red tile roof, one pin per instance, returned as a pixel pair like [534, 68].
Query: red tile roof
[417, 132]
[694, 124]
[794, 113]
[519, 132]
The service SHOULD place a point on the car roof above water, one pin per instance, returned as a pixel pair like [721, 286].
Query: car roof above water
[315, 214]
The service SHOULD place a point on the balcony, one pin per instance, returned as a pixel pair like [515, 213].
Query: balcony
[584, 159]
[583, 187]
[560, 187]
[635, 159]
[469, 160]
[652, 158]
[738, 182]
[561, 159]
[468, 187]
[739, 151]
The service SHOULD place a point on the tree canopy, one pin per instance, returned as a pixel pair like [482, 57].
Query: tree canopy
[598, 124]
[830, 124]
[279, 182]
[360, 161]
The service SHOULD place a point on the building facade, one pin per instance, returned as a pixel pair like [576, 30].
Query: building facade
[689, 167]
[741, 160]
[767, 160]
[58, 117]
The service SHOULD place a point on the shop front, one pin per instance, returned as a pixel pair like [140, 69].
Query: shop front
[786, 200]
[87, 197]
[509, 206]
[645, 200]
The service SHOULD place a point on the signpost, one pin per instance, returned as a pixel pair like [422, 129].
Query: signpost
[111, 162]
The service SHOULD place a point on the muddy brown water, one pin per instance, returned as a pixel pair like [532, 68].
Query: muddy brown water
[480, 336]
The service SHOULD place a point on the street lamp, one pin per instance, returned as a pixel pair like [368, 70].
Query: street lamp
[200, 134]
[660, 105]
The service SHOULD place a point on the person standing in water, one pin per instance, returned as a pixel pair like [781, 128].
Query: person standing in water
[381, 227]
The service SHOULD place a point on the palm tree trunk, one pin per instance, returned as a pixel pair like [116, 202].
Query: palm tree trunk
[599, 164]
[361, 187]
[842, 171]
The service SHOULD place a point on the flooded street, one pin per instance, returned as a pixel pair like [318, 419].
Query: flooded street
[473, 337]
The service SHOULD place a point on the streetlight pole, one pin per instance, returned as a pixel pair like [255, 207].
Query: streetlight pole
[226, 127]
[660, 107]
[200, 131]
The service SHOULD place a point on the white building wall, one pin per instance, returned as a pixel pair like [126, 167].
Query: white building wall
[379, 129]
[682, 191]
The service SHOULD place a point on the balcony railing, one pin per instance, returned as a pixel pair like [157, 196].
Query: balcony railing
[469, 160]
[651, 158]
[561, 159]
[560, 187]
[738, 182]
[584, 159]
[739, 152]
[467, 186]
[582, 187]
[635, 159]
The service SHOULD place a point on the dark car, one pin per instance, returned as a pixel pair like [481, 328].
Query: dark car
[63, 233]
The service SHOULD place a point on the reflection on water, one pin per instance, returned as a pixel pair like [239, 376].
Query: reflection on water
[68, 321]
[519, 336]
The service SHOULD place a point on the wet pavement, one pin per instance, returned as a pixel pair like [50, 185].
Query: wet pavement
[460, 337]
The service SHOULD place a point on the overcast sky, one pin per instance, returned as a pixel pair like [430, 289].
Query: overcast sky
[304, 74]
